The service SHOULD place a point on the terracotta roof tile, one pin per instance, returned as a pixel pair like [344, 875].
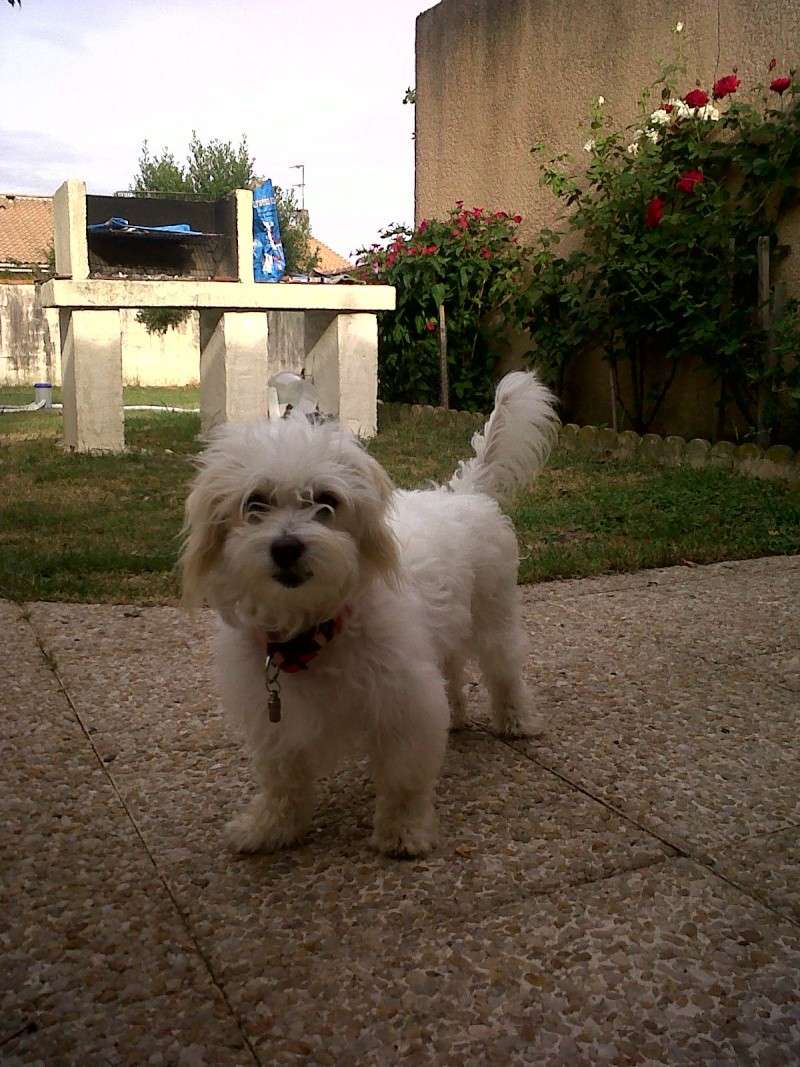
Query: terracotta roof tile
[26, 228]
[330, 262]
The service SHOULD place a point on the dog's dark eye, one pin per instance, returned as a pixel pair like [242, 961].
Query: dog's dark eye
[326, 504]
[255, 506]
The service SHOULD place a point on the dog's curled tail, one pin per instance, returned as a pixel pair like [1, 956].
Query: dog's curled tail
[515, 442]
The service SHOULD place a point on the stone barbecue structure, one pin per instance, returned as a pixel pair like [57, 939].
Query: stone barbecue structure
[97, 275]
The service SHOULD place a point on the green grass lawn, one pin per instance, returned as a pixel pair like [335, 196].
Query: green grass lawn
[38, 424]
[105, 528]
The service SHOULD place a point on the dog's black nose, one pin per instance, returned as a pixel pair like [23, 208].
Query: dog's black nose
[287, 550]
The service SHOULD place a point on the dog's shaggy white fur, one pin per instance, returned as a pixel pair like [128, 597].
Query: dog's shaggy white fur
[289, 524]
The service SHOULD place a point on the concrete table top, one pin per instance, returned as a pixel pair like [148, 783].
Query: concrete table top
[625, 890]
[231, 296]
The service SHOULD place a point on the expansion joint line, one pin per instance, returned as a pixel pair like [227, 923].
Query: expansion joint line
[679, 850]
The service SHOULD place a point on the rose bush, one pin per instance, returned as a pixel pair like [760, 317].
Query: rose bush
[472, 263]
[666, 261]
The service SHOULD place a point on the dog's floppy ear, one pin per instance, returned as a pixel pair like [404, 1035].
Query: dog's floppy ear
[203, 536]
[378, 544]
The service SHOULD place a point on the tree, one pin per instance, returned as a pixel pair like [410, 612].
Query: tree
[213, 170]
[160, 175]
[301, 257]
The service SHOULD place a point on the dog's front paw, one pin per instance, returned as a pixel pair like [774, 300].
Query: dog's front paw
[263, 827]
[404, 842]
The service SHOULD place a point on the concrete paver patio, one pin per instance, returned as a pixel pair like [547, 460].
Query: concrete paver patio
[625, 890]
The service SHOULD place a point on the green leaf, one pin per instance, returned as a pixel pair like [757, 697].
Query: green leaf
[438, 294]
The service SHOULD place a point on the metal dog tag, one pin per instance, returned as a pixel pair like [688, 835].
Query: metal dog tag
[273, 687]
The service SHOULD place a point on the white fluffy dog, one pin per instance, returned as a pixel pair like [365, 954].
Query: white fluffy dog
[348, 608]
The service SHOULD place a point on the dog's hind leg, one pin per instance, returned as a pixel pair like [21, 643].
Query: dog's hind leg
[454, 677]
[500, 646]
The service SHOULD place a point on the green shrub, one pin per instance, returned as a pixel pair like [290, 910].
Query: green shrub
[666, 220]
[472, 263]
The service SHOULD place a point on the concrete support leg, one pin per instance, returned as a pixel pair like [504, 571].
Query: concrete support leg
[342, 362]
[233, 366]
[91, 369]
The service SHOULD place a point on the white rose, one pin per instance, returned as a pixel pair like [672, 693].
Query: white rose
[652, 135]
[684, 111]
[708, 113]
[660, 117]
[589, 146]
[600, 101]
[633, 149]
[679, 27]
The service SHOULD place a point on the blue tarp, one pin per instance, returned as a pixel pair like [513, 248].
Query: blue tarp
[116, 225]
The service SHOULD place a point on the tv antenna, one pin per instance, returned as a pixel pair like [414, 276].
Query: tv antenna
[301, 185]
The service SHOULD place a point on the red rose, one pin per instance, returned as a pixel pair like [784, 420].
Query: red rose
[430, 325]
[669, 108]
[516, 218]
[422, 226]
[500, 215]
[477, 212]
[459, 204]
[689, 179]
[654, 212]
[430, 250]
[780, 85]
[485, 253]
[696, 98]
[462, 220]
[724, 86]
[391, 258]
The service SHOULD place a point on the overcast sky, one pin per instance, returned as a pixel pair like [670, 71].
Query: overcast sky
[84, 82]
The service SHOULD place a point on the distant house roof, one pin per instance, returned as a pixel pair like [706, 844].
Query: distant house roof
[26, 234]
[330, 262]
[26, 229]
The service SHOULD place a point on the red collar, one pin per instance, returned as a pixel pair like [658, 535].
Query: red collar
[295, 654]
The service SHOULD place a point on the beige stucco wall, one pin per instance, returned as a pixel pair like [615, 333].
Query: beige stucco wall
[496, 76]
[29, 341]
[30, 347]
[172, 358]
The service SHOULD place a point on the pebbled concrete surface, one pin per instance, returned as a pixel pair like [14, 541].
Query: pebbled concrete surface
[625, 890]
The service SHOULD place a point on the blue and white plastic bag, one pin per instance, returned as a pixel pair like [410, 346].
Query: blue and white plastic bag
[269, 262]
